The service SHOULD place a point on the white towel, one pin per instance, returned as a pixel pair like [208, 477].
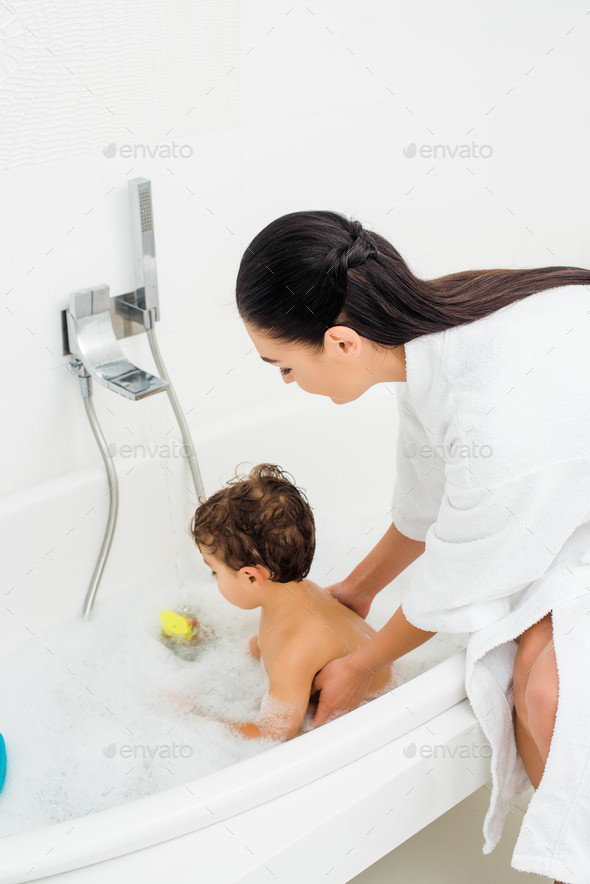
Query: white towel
[494, 474]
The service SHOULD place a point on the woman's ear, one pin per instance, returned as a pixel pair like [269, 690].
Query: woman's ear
[345, 339]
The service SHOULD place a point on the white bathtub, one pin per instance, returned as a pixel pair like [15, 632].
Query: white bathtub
[328, 803]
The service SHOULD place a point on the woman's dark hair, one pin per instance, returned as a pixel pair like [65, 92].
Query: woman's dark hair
[258, 519]
[308, 271]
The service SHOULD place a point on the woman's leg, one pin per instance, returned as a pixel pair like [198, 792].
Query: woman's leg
[535, 697]
[541, 699]
[532, 646]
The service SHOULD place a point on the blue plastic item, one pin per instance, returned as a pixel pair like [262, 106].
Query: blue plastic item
[2, 761]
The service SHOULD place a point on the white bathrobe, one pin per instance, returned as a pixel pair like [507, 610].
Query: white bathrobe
[494, 475]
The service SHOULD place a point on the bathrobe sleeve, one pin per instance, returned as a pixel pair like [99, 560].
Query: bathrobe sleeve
[420, 478]
[504, 403]
[491, 541]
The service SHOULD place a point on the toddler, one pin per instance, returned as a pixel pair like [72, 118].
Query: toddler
[258, 537]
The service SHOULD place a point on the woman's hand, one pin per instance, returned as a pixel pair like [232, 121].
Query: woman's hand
[342, 688]
[355, 599]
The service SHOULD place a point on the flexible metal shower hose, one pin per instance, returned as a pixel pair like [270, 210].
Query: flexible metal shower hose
[113, 501]
[110, 467]
[186, 434]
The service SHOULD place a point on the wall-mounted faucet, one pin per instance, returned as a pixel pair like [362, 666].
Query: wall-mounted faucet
[91, 327]
[91, 337]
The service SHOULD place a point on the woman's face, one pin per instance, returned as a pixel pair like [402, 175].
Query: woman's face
[343, 371]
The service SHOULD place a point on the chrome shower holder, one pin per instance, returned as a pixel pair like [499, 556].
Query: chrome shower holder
[91, 338]
[91, 327]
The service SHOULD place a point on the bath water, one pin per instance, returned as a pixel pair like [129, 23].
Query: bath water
[97, 713]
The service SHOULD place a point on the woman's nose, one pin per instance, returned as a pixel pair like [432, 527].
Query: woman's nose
[288, 378]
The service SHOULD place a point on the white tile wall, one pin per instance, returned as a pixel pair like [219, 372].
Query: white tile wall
[331, 94]
[79, 77]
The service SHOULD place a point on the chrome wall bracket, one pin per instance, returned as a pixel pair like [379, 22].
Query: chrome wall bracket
[91, 338]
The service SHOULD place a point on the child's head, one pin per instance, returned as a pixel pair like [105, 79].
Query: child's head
[259, 527]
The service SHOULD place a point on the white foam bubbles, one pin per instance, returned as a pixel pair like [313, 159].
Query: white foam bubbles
[75, 691]
[97, 713]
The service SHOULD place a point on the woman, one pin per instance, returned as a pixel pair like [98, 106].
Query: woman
[494, 361]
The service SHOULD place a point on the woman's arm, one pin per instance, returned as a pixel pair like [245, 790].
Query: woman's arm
[343, 683]
[396, 638]
[387, 559]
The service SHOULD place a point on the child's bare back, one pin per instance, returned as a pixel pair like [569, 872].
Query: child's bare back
[334, 631]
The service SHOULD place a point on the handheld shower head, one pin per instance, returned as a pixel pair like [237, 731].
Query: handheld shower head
[143, 244]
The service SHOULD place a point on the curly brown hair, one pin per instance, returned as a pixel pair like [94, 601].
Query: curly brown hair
[259, 519]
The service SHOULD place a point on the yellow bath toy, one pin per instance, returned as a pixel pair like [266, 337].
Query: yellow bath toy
[183, 633]
[175, 625]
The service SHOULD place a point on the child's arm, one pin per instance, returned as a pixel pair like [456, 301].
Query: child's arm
[283, 708]
[254, 647]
